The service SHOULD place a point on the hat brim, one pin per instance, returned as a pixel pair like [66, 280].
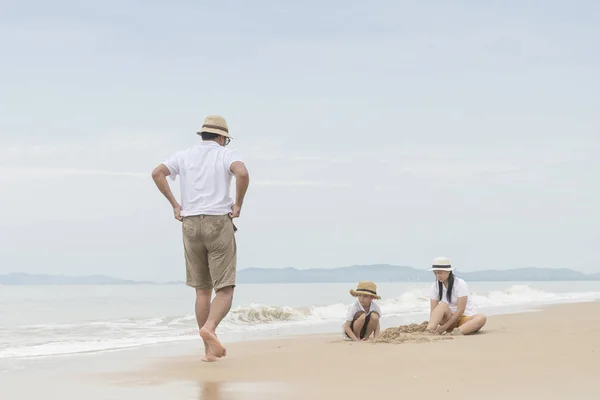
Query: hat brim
[355, 293]
[215, 131]
[441, 269]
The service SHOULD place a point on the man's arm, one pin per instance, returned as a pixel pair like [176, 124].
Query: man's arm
[159, 175]
[242, 180]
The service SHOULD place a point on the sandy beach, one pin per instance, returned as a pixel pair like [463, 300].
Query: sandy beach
[548, 354]
[552, 354]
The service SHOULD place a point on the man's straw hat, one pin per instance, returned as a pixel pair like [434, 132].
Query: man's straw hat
[441, 264]
[365, 287]
[215, 124]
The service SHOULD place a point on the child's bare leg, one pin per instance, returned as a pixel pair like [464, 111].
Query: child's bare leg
[372, 325]
[359, 322]
[441, 313]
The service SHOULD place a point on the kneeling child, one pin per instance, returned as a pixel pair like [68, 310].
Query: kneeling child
[362, 319]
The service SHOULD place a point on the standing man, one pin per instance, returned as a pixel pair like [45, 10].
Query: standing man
[207, 212]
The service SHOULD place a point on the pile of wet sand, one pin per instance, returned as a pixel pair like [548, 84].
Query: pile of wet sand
[409, 333]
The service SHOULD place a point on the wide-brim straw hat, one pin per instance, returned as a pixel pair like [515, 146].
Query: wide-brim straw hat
[441, 264]
[215, 124]
[365, 287]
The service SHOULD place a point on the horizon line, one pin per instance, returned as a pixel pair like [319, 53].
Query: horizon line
[134, 280]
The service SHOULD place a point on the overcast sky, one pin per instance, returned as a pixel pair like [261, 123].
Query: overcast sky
[374, 132]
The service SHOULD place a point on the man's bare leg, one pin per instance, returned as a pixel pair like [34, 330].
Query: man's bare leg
[372, 325]
[441, 313]
[202, 309]
[219, 308]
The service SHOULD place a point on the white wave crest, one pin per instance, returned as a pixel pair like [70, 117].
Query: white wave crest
[255, 313]
[73, 338]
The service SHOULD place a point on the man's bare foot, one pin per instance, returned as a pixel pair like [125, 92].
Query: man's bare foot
[206, 347]
[208, 357]
[214, 347]
[206, 351]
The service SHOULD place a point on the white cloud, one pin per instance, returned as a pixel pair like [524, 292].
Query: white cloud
[18, 173]
[458, 169]
[298, 158]
[21, 149]
[143, 142]
[118, 141]
[305, 183]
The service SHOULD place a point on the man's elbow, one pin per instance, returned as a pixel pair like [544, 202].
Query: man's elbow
[244, 174]
[240, 171]
[158, 173]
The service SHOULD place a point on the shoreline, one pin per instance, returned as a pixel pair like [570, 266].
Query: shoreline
[285, 333]
[520, 350]
[167, 318]
[550, 353]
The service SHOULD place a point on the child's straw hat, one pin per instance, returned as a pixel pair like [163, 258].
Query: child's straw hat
[365, 287]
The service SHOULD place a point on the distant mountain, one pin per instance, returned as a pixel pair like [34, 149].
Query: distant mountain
[27, 279]
[528, 274]
[392, 273]
[594, 277]
[377, 273]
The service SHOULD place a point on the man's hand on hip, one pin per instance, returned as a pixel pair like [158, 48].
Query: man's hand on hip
[235, 211]
[159, 175]
[177, 212]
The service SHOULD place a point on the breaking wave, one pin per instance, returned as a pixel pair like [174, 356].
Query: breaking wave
[63, 339]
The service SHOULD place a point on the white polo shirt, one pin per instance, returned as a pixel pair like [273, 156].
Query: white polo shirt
[205, 178]
[459, 289]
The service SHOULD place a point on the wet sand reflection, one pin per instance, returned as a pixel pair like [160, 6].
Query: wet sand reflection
[241, 391]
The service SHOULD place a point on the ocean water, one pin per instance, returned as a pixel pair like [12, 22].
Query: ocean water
[66, 321]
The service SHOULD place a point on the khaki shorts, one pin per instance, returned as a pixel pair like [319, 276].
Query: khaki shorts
[210, 251]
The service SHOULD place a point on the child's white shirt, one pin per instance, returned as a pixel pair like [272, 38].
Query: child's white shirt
[356, 307]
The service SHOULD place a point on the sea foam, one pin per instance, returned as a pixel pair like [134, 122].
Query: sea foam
[95, 336]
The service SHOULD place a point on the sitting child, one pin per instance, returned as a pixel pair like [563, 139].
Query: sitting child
[363, 316]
